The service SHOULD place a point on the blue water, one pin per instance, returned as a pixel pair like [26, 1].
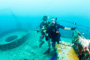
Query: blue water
[29, 13]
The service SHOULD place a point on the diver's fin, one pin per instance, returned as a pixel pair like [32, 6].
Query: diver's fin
[54, 57]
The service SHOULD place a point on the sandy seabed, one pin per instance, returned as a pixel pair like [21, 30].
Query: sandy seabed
[29, 50]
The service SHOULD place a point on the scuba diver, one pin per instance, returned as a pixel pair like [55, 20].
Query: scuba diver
[43, 27]
[54, 34]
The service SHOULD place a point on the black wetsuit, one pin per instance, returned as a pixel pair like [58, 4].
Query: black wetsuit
[52, 32]
[45, 25]
[42, 30]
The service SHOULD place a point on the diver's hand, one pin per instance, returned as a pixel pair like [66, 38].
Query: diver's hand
[73, 28]
[57, 31]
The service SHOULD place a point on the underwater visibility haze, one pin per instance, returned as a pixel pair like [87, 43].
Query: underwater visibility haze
[19, 20]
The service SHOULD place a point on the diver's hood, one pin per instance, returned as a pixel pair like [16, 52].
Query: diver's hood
[45, 18]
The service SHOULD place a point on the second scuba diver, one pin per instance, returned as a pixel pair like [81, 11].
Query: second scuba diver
[43, 27]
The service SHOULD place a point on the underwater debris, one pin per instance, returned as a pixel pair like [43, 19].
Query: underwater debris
[81, 46]
[65, 51]
[13, 38]
[72, 55]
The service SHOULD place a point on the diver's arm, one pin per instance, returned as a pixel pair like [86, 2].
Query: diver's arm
[60, 26]
[66, 28]
[39, 29]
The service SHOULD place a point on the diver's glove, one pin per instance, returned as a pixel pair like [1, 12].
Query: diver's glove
[73, 28]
